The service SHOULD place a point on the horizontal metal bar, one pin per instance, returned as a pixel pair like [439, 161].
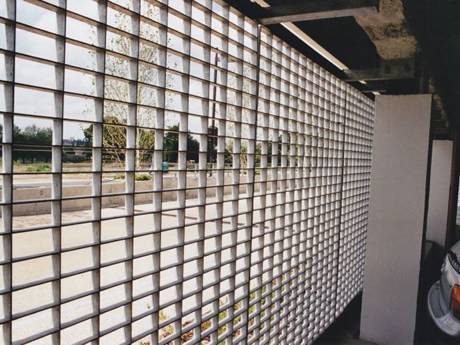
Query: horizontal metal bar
[317, 9]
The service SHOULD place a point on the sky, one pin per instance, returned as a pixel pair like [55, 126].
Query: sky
[39, 102]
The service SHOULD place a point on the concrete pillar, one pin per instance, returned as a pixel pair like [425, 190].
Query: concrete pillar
[438, 202]
[453, 215]
[396, 219]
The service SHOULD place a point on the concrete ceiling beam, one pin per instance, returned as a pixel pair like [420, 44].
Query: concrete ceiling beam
[317, 9]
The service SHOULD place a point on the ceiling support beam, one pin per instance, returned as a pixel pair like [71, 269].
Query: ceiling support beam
[374, 91]
[371, 87]
[388, 70]
[301, 11]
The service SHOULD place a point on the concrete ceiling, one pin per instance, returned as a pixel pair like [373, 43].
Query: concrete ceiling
[388, 30]
[425, 30]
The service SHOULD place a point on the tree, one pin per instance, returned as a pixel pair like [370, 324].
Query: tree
[114, 130]
[171, 146]
[228, 155]
[39, 138]
[33, 135]
[146, 144]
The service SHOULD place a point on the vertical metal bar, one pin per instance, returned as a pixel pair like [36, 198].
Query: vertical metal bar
[344, 164]
[203, 197]
[135, 152]
[182, 156]
[61, 165]
[251, 203]
[159, 149]
[213, 140]
[9, 170]
[98, 141]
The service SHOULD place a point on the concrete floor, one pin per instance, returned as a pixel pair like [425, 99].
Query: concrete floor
[84, 259]
[345, 330]
[344, 341]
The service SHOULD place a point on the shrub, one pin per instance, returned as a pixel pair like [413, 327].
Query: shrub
[119, 177]
[143, 177]
[40, 168]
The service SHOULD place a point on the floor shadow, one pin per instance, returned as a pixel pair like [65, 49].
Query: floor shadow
[345, 330]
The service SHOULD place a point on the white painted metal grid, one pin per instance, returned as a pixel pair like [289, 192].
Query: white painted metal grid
[355, 197]
[164, 183]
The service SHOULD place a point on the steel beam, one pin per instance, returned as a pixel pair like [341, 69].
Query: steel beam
[381, 90]
[317, 9]
[369, 87]
[388, 70]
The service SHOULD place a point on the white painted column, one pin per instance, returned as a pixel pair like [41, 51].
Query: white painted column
[396, 216]
[438, 204]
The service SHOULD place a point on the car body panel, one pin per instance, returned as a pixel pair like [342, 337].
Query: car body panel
[440, 293]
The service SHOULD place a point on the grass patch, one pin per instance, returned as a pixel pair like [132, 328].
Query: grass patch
[119, 177]
[40, 168]
[138, 177]
[143, 177]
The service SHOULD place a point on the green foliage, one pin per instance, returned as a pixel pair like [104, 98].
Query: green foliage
[143, 177]
[38, 168]
[113, 137]
[167, 330]
[137, 177]
[228, 155]
[119, 177]
[32, 136]
[146, 142]
[171, 146]
[222, 315]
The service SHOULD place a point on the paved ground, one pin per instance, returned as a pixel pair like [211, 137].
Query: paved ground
[344, 331]
[39, 269]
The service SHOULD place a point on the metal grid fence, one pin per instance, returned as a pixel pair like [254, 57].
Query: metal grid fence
[173, 173]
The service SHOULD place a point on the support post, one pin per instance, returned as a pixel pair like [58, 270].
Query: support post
[452, 233]
[397, 212]
[438, 202]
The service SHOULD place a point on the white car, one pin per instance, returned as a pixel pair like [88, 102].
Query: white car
[444, 295]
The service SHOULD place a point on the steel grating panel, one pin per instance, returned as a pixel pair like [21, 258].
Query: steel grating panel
[172, 173]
